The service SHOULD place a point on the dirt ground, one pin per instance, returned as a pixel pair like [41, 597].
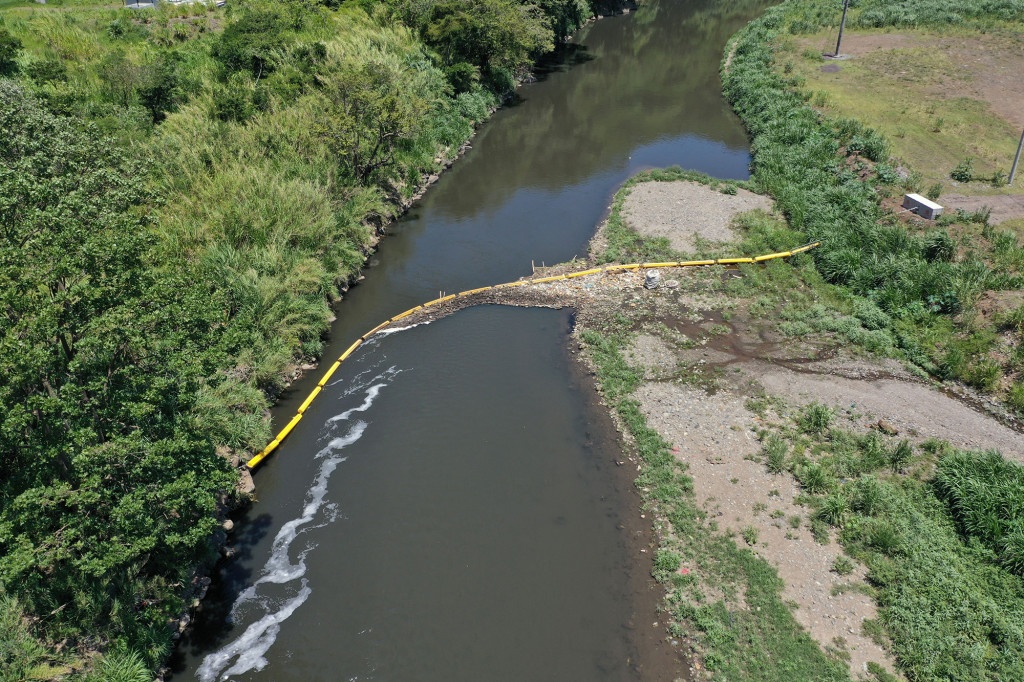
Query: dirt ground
[988, 67]
[666, 209]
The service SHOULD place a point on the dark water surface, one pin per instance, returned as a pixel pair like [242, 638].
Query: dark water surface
[450, 508]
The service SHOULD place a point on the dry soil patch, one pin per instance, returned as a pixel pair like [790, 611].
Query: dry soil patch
[683, 211]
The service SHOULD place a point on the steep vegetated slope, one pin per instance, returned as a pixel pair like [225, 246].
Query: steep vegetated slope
[182, 192]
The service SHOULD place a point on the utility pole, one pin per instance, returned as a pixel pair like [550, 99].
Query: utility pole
[842, 25]
[1016, 159]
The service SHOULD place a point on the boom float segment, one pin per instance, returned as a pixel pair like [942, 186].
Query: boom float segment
[610, 269]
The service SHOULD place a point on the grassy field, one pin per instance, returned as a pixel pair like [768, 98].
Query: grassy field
[939, 98]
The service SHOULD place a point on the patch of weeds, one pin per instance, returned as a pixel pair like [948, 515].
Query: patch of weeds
[750, 535]
[734, 480]
[774, 492]
[665, 562]
[795, 521]
[718, 329]
[819, 530]
[759, 507]
[762, 306]
[838, 648]
[880, 674]
[775, 450]
[777, 514]
[842, 565]
[815, 418]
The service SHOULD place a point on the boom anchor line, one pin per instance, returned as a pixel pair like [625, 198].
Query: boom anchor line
[442, 298]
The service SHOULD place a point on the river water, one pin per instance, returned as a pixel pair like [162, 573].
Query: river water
[451, 508]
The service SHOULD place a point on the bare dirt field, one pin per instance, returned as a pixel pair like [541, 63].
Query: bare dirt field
[987, 68]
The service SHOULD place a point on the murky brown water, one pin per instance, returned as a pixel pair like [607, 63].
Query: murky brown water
[450, 509]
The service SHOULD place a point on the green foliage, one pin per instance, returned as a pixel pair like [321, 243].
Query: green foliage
[964, 171]
[109, 489]
[816, 418]
[490, 37]
[985, 494]
[10, 48]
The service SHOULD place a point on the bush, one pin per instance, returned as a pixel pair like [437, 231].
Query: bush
[985, 494]
[775, 450]
[939, 247]
[10, 48]
[964, 171]
[816, 418]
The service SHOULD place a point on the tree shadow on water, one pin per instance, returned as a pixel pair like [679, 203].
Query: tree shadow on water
[211, 628]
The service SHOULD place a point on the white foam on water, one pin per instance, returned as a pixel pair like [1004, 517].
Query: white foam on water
[395, 330]
[247, 652]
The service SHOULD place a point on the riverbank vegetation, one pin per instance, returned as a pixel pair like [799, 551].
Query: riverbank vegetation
[183, 191]
[831, 175]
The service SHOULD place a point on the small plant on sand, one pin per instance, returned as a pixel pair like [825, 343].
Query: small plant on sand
[775, 454]
[816, 418]
[750, 535]
[842, 565]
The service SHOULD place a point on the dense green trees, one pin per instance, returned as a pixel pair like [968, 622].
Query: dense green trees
[181, 194]
[109, 490]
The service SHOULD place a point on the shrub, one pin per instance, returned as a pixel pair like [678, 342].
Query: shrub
[814, 478]
[900, 456]
[816, 418]
[775, 450]
[842, 565]
[833, 509]
[964, 171]
[934, 191]
[939, 246]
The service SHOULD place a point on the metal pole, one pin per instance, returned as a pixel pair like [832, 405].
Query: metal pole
[1016, 159]
[842, 24]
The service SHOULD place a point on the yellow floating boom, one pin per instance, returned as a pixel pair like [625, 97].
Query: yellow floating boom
[272, 445]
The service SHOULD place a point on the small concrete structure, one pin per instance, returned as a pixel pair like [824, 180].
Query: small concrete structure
[923, 207]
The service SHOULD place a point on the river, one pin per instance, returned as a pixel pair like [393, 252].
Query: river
[453, 507]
